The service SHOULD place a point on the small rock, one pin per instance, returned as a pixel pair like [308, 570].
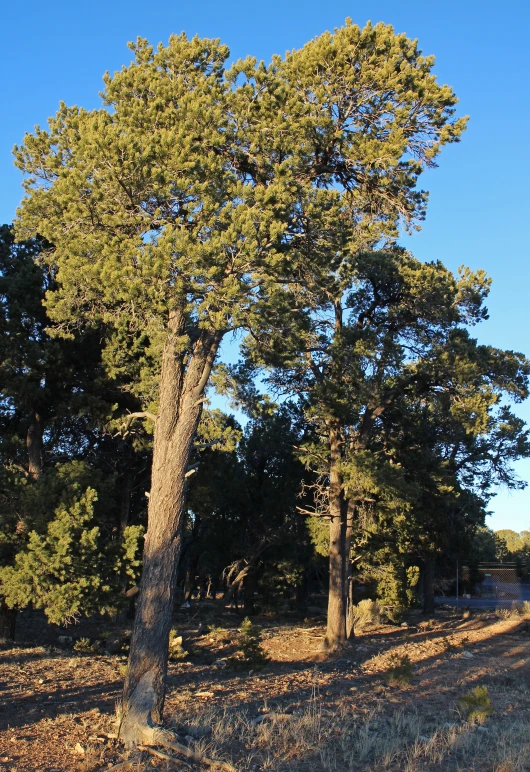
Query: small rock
[186, 604]
[79, 749]
[65, 640]
[404, 624]
[482, 728]
[467, 654]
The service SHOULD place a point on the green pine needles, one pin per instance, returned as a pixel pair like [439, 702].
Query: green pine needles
[66, 568]
[476, 705]
[251, 655]
[401, 671]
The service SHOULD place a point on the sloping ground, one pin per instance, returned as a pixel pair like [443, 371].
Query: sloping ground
[300, 713]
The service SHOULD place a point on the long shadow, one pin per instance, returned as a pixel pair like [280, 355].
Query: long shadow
[338, 672]
[16, 711]
[343, 671]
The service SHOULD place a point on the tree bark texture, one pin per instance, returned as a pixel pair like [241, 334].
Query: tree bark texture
[337, 601]
[348, 579]
[8, 619]
[34, 439]
[428, 587]
[180, 402]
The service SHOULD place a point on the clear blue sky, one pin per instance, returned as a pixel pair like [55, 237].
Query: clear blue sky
[479, 210]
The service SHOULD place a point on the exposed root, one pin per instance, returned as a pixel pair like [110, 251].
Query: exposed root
[154, 735]
[136, 728]
[165, 756]
[166, 739]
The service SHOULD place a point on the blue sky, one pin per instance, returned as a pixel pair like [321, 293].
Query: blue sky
[479, 211]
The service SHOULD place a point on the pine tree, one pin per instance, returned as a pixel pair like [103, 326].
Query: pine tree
[55, 400]
[390, 337]
[173, 210]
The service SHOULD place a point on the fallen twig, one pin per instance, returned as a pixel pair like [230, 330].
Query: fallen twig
[166, 756]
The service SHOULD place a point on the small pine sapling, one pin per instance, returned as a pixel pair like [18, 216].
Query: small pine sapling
[251, 655]
[401, 670]
[476, 705]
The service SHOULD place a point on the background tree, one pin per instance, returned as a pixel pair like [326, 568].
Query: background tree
[244, 521]
[390, 336]
[55, 400]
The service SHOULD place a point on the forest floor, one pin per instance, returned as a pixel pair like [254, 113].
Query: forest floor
[390, 702]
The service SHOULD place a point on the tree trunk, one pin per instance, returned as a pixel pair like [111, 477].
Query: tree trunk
[249, 589]
[34, 444]
[8, 619]
[180, 403]
[336, 623]
[348, 583]
[125, 504]
[428, 587]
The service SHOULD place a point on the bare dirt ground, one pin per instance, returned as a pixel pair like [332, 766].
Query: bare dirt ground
[302, 712]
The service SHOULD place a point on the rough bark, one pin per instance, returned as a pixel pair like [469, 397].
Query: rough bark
[336, 623]
[348, 582]
[34, 439]
[125, 504]
[428, 587]
[180, 401]
[8, 619]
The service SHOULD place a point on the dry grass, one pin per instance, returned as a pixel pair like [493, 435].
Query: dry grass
[302, 713]
[317, 740]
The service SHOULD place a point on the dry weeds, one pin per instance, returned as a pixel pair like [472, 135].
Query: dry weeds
[301, 714]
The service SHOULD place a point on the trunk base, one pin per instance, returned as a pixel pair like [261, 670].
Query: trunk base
[8, 620]
[336, 647]
[136, 726]
[137, 729]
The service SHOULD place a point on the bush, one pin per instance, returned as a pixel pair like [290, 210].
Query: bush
[401, 670]
[365, 614]
[251, 655]
[86, 646]
[176, 650]
[476, 705]
[521, 609]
